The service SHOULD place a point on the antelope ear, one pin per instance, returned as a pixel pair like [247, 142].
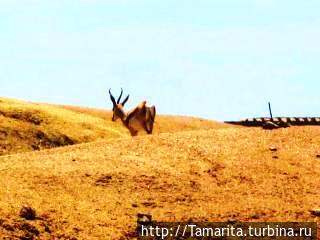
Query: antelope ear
[112, 98]
[125, 100]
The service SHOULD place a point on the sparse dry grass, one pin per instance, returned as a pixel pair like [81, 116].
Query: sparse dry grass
[163, 123]
[26, 126]
[94, 190]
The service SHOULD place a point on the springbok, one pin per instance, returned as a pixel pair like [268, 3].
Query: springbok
[140, 116]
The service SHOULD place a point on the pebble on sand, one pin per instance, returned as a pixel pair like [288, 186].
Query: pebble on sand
[315, 212]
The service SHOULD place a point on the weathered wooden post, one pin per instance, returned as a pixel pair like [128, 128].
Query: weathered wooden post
[270, 110]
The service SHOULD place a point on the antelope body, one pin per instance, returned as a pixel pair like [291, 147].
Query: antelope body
[142, 116]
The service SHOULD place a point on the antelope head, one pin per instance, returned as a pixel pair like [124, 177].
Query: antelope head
[117, 109]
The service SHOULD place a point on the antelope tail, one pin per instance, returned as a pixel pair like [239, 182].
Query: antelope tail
[150, 116]
[153, 112]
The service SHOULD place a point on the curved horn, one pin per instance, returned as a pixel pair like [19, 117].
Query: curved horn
[112, 98]
[118, 101]
[125, 100]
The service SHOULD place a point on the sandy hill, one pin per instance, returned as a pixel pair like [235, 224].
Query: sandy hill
[28, 126]
[94, 190]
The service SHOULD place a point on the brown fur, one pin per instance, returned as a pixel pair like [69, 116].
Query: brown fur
[141, 116]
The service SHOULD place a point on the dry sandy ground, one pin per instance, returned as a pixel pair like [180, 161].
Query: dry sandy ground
[94, 190]
[26, 126]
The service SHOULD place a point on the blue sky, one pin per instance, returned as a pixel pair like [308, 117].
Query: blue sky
[215, 59]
